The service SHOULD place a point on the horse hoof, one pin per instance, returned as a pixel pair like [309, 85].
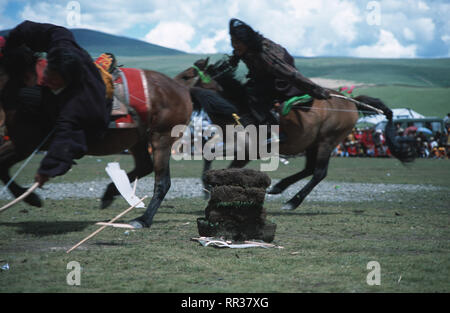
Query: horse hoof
[105, 203]
[274, 190]
[288, 207]
[138, 224]
[34, 200]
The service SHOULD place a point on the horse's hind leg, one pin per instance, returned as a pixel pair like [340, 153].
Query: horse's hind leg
[143, 166]
[206, 167]
[319, 173]
[282, 185]
[9, 157]
[161, 144]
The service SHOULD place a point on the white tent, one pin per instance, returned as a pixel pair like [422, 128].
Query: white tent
[398, 113]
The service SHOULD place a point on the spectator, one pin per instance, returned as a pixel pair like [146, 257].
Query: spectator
[351, 149]
[447, 120]
[372, 143]
[448, 142]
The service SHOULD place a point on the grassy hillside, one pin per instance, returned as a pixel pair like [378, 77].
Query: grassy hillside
[413, 72]
[97, 42]
[420, 84]
[427, 101]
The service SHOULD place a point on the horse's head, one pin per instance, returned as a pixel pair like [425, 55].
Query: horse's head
[197, 76]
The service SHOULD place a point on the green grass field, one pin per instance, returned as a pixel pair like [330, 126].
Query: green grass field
[327, 245]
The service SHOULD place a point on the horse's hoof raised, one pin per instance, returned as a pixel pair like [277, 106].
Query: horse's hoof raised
[288, 207]
[106, 203]
[274, 190]
[34, 200]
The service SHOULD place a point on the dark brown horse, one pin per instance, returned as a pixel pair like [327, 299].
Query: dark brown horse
[313, 130]
[170, 105]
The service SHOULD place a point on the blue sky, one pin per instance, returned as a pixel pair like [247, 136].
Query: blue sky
[382, 29]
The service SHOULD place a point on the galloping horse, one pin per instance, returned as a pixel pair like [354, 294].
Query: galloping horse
[314, 130]
[169, 105]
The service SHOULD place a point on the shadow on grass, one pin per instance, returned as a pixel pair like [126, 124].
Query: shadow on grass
[287, 213]
[49, 228]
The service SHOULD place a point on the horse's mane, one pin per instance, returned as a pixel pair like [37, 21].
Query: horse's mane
[233, 89]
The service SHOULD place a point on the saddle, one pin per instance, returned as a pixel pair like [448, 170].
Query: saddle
[131, 101]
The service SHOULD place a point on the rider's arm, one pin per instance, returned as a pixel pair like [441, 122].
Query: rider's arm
[273, 61]
[68, 142]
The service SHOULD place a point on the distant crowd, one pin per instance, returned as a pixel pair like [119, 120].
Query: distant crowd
[372, 143]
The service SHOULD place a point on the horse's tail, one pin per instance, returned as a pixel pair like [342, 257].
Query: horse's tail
[401, 147]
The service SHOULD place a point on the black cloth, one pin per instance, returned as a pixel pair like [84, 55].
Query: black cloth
[83, 110]
[273, 77]
[211, 102]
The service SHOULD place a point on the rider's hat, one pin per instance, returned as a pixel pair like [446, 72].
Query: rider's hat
[244, 33]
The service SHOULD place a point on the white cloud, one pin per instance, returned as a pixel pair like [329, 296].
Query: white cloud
[386, 47]
[209, 44]
[172, 35]
[303, 27]
[446, 38]
[425, 27]
[45, 12]
[408, 34]
[423, 6]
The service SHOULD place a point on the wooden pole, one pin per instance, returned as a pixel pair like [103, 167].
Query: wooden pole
[103, 227]
[115, 225]
[23, 196]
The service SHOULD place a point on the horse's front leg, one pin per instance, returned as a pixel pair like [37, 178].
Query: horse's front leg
[9, 157]
[319, 173]
[282, 185]
[161, 144]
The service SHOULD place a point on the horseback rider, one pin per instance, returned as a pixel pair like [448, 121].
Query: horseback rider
[73, 86]
[272, 75]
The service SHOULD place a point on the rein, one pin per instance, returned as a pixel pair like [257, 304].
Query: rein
[206, 79]
[360, 103]
[328, 109]
[300, 106]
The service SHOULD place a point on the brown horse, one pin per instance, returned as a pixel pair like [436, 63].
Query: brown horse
[170, 105]
[313, 130]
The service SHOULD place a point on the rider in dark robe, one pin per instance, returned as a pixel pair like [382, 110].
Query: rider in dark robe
[272, 75]
[74, 87]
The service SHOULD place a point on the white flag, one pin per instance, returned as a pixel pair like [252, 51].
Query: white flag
[120, 179]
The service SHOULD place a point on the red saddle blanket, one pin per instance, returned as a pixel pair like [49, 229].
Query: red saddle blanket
[136, 91]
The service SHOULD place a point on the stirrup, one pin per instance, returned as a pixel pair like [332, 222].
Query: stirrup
[237, 119]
